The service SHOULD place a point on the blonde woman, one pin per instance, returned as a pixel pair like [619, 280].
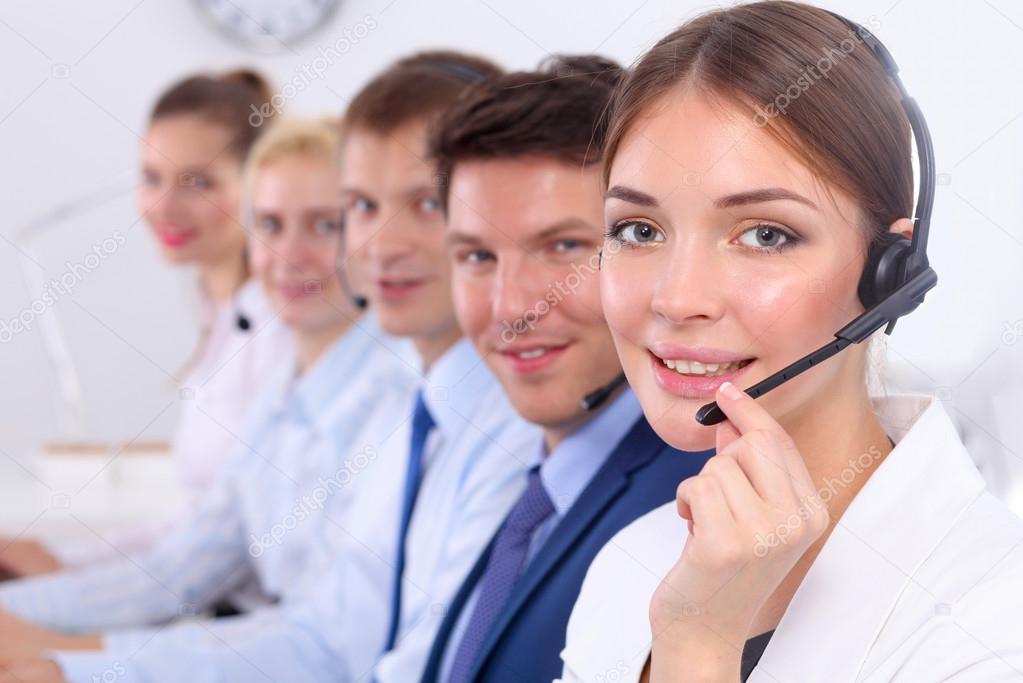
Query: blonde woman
[265, 516]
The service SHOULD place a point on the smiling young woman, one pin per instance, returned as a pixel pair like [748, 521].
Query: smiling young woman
[755, 154]
[198, 135]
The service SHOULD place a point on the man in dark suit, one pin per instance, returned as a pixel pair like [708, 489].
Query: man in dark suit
[519, 161]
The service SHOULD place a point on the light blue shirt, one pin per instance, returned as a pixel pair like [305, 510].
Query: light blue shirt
[333, 625]
[565, 473]
[259, 518]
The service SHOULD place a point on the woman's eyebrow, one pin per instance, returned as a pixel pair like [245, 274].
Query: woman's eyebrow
[767, 194]
[627, 194]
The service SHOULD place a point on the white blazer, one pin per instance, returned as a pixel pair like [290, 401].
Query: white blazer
[921, 579]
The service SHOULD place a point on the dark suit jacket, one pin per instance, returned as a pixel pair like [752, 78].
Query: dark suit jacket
[525, 643]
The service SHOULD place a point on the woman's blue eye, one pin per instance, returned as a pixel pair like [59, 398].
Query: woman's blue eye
[636, 232]
[429, 204]
[766, 237]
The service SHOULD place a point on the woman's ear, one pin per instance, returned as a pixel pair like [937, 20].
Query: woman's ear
[903, 226]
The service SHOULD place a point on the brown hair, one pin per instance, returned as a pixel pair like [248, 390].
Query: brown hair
[845, 121]
[557, 111]
[228, 100]
[414, 89]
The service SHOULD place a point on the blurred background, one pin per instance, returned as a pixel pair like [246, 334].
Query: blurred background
[80, 78]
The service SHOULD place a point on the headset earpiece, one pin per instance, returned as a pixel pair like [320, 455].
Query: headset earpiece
[885, 268]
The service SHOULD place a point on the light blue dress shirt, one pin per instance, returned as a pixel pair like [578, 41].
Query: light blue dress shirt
[565, 473]
[260, 518]
[332, 625]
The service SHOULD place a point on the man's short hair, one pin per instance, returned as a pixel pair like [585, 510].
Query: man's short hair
[558, 111]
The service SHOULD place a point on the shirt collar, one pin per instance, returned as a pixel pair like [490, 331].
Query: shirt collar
[892, 526]
[454, 385]
[569, 468]
[311, 395]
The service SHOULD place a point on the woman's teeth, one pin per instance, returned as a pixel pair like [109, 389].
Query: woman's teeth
[532, 353]
[694, 367]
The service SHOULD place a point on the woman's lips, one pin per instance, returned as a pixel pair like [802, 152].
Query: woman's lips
[533, 359]
[175, 238]
[693, 386]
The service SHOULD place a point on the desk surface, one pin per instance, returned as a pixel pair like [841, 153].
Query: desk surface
[68, 497]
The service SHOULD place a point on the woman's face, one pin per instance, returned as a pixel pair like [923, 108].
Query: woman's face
[294, 241]
[189, 193]
[725, 260]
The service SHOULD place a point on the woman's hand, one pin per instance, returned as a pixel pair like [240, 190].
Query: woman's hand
[19, 638]
[753, 511]
[20, 558]
[29, 670]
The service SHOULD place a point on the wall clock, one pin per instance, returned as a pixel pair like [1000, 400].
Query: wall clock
[267, 25]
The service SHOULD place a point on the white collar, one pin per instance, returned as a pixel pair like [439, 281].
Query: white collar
[891, 527]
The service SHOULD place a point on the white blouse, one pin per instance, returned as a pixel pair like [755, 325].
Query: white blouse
[921, 579]
[216, 401]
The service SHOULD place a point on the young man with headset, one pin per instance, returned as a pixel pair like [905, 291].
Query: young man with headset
[519, 157]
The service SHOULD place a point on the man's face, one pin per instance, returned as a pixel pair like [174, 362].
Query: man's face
[395, 232]
[523, 236]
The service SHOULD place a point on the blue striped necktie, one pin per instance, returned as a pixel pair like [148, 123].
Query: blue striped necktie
[507, 560]
[422, 423]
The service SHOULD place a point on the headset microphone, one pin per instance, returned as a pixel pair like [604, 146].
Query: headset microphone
[596, 398]
[896, 275]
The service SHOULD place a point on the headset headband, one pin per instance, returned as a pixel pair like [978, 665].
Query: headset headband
[922, 137]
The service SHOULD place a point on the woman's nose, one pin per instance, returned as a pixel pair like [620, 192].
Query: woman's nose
[690, 287]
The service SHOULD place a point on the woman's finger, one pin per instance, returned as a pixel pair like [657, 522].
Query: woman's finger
[709, 511]
[747, 416]
[725, 436]
[743, 501]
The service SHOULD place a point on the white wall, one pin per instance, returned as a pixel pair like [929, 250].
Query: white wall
[80, 77]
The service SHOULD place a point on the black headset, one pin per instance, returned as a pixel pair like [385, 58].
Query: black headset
[896, 275]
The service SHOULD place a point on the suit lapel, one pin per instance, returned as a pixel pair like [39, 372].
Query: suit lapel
[637, 448]
[431, 673]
